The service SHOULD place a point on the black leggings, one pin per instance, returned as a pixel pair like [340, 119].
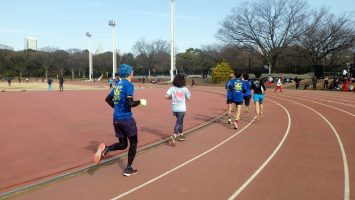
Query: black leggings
[123, 143]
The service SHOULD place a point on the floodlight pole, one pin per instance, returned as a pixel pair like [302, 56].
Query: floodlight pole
[88, 34]
[172, 44]
[113, 24]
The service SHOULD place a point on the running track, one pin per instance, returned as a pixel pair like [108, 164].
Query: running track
[303, 148]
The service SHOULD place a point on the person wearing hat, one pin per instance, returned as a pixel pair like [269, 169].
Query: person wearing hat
[121, 100]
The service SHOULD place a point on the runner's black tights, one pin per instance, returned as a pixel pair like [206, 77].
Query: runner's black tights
[122, 144]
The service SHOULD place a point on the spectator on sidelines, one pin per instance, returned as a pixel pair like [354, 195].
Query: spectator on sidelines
[279, 85]
[297, 81]
[326, 82]
[270, 80]
[345, 73]
[314, 81]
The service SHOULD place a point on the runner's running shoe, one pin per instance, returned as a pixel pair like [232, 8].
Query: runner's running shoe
[229, 120]
[172, 140]
[181, 137]
[101, 150]
[235, 124]
[129, 171]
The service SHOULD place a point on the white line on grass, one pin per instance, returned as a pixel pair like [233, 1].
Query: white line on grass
[343, 154]
[250, 179]
[182, 165]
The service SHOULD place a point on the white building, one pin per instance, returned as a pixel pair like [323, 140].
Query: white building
[31, 43]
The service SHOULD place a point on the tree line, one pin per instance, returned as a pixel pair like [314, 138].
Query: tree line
[283, 36]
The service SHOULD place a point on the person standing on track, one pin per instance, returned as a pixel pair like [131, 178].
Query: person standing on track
[121, 100]
[61, 82]
[178, 94]
[110, 81]
[229, 98]
[238, 89]
[259, 90]
[193, 83]
[247, 95]
[49, 83]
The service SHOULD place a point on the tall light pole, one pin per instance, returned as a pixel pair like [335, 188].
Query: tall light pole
[172, 44]
[88, 34]
[113, 24]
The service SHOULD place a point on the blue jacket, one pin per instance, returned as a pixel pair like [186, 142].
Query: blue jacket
[229, 91]
[248, 88]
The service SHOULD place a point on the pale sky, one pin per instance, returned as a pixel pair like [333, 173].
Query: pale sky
[63, 23]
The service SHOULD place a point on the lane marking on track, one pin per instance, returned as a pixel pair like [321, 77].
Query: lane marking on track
[341, 146]
[345, 104]
[339, 96]
[335, 98]
[183, 164]
[251, 178]
[322, 104]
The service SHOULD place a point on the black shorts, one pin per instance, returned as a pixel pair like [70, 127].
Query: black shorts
[230, 101]
[125, 127]
[238, 103]
[247, 100]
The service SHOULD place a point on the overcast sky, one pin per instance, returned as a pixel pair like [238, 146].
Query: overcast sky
[63, 23]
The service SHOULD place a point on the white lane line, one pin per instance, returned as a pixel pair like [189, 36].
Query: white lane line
[250, 179]
[335, 98]
[182, 165]
[322, 104]
[345, 104]
[338, 96]
[341, 146]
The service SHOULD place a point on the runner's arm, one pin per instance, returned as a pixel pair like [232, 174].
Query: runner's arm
[132, 103]
[109, 101]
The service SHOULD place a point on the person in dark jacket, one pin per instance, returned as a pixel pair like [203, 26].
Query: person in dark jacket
[259, 91]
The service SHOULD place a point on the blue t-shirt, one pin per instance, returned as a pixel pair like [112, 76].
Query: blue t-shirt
[119, 94]
[247, 88]
[238, 89]
[229, 92]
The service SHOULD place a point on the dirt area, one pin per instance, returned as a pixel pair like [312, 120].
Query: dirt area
[72, 85]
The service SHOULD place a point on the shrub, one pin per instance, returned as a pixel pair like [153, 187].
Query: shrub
[221, 72]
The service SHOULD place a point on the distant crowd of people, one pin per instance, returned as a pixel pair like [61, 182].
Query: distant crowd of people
[345, 82]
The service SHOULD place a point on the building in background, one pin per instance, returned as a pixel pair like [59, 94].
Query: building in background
[30, 43]
[7, 47]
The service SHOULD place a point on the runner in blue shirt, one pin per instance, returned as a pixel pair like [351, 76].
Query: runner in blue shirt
[121, 100]
[247, 95]
[238, 88]
[229, 98]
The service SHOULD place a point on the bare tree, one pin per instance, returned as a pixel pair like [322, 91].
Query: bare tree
[77, 61]
[266, 27]
[326, 34]
[45, 60]
[150, 54]
[21, 60]
[60, 59]
[213, 51]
